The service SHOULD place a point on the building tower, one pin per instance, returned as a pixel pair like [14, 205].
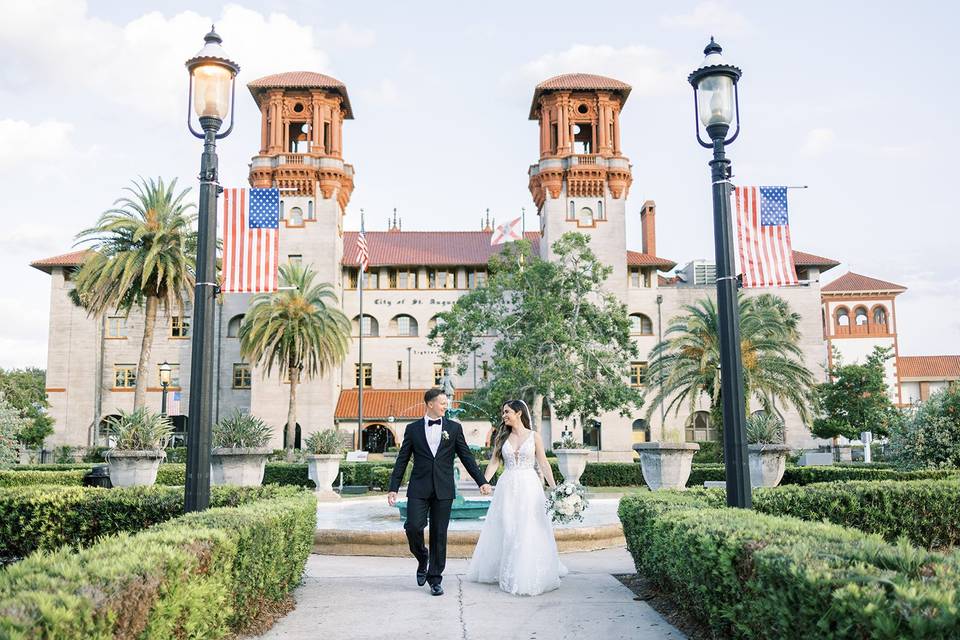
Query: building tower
[582, 179]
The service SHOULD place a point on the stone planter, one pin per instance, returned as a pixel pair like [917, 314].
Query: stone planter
[666, 465]
[238, 466]
[134, 468]
[323, 468]
[767, 464]
[572, 462]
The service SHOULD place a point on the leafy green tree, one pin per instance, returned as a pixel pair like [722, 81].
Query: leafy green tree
[930, 436]
[559, 337]
[856, 399]
[25, 391]
[688, 358]
[299, 330]
[11, 422]
[144, 253]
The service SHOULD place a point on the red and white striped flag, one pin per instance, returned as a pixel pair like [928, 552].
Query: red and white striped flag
[363, 256]
[251, 240]
[763, 233]
[507, 232]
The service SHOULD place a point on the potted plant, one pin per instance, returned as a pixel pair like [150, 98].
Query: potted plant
[766, 451]
[240, 450]
[571, 458]
[667, 464]
[323, 461]
[139, 438]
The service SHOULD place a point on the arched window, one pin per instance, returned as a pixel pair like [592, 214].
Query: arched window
[641, 430]
[433, 322]
[641, 324]
[572, 211]
[585, 217]
[371, 328]
[377, 438]
[233, 327]
[860, 316]
[699, 428]
[880, 318]
[843, 317]
[310, 210]
[406, 326]
[599, 209]
[296, 216]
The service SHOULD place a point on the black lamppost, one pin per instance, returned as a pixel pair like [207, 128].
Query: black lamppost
[212, 86]
[716, 103]
[164, 383]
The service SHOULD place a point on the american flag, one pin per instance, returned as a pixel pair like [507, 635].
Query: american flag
[763, 232]
[363, 256]
[251, 244]
[173, 404]
[507, 232]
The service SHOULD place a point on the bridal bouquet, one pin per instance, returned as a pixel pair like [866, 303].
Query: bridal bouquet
[567, 501]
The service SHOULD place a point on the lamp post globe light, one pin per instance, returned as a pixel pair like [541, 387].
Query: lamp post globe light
[164, 383]
[716, 105]
[212, 88]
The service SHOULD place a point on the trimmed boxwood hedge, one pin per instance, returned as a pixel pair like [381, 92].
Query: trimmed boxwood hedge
[32, 478]
[49, 517]
[752, 575]
[202, 575]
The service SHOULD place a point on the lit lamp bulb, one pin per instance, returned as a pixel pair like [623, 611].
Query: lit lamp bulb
[716, 100]
[211, 96]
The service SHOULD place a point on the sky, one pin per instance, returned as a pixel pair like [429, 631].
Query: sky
[849, 98]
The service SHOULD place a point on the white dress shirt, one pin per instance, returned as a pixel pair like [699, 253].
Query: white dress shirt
[433, 433]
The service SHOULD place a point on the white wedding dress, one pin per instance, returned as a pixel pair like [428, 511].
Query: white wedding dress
[516, 547]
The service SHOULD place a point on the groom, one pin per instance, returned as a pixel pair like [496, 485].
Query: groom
[432, 440]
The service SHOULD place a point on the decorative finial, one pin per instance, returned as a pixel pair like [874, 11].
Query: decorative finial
[713, 47]
[212, 36]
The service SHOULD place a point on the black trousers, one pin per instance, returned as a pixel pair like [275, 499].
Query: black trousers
[439, 512]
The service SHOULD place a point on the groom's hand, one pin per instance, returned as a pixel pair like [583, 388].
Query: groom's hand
[392, 498]
[486, 490]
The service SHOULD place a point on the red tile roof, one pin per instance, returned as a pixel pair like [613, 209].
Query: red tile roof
[855, 283]
[577, 82]
[804, 259]
[300, 80]
[72, 259]
[637, 259]
[929, 367]
[380, 404]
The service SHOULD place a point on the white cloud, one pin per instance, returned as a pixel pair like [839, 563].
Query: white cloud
[818, 142]
[33, 238]
[347, 35]
[140, 64]
[21, 141]
[385, 92]
[649, 71]
[712, 17]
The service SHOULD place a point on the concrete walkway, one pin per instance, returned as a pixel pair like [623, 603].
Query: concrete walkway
[359, 597]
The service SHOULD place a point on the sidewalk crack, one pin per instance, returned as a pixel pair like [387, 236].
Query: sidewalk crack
[463, 623]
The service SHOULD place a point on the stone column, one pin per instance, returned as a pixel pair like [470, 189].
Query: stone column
[264, 117]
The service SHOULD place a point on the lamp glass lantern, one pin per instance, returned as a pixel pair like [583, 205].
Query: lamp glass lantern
[716, 100]
[165, 369]
[212, 83]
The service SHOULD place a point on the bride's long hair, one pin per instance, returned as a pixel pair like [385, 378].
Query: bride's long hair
[504, 430]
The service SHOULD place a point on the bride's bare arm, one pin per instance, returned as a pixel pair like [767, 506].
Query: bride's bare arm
[492, 466]
[545, 467]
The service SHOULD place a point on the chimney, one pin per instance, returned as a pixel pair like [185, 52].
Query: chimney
[648, 227]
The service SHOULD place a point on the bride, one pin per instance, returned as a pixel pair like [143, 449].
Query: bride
[516, 546]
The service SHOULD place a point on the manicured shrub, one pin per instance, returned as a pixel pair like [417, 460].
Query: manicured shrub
[700, 473]
[709, 452]
[177, 455]
[33, 478]
[287, 473]
[609, 474]
[381, 478]
[752, 575]
[202, 575]
[174, 475]
[809, 475]
[929, 438]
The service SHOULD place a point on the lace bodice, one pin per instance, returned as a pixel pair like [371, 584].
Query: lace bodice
[522, 458]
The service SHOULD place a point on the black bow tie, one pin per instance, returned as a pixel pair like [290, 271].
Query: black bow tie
[430, 423]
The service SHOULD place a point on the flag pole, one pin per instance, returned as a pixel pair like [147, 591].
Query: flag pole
[360, 371]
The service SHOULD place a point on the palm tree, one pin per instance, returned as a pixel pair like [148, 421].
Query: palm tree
[688, 358]
[143, 254]
[299, 330]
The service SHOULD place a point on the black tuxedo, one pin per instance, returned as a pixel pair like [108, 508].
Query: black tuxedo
[431, 488]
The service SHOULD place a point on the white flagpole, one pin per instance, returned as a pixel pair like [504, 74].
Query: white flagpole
[360, 371]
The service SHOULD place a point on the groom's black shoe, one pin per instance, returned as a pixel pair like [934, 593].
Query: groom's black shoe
[421, 575]
[436, 590]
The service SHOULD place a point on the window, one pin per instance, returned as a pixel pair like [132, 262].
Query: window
[699, 428]
[880, 317]
[843, 317]
[351, 278]
[860, 315]
[485, 367]
[281, 210]
[553, 138]
[295, 258]
[179, 327]
[636, 277]
[638, 374]
[241, 375]
[641, 430]
[371, 328]
[585, 217]
[433, 323]
[367, 374]
[233, 327]
[407, 326]
[124, 376]
[641, 324]
[599, 209]
[437, 374]
[326, 137]
[583, 138]
[591, 434]
[371, 280]
[296, 217]
[476, 278]
[399, 370]
[648, 278]
[402, 278]
[174, 376]
[310, 213]
[572, 211]
[116, 327]
[440, 279]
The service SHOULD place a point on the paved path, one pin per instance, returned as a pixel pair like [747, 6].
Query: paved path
[360, 597]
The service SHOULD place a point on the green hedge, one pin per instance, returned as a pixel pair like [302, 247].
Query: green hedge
[752, 575]
[809, 475]
[203, 575]
[48, 517]
[31, 478]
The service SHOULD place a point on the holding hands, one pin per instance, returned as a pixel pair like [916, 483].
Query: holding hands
[486, 490]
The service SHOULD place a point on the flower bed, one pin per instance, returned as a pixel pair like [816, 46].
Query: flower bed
[753, 575]
[202, 575]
